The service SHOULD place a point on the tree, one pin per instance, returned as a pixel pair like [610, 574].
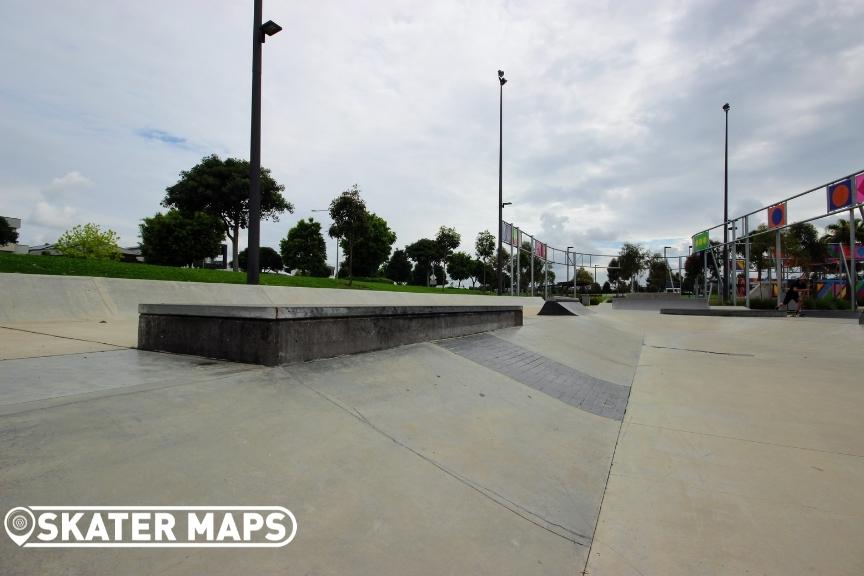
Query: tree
[177, 239]
[607, 288]
[838, 233]
[398, 268]
[632, 260]
[440, 276]
[303, 250]
[371, 247]
[89, 241]
[614, 274]
[8, 235]
[801, 242]
[268, 259]
[484, 249]
[583, 277]
[424, 253]
[221, 189]
[460, 267]
[658, 273]
[448, 240]
[761, 244]
[350, 220]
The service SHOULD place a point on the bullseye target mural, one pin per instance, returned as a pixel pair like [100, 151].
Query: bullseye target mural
[839, 195]
[777, 215]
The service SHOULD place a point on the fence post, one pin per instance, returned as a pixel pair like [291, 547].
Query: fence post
[853, 298]
[532, 266]
[747, 261]
[777, 265]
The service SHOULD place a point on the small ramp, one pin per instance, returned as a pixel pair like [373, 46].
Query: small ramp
[657, 301]
[564, 307]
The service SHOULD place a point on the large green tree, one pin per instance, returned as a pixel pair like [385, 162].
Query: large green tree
[177, 239]
[448, 239]
[838, 232]
[89, 241]
[268, 259]
[460, 267]
[632, 261]
[484, 249]
[303, 250]
[221, 189]
[801, 243]
[424, 253]
[371, 247]
[350, 221]
[8, 235]
[398, 268]
[658, 273]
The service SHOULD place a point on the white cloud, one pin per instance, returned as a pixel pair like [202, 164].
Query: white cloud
[51, 216]
[71, 180]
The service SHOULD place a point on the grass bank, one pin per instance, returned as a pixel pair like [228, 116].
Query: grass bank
[64, 266]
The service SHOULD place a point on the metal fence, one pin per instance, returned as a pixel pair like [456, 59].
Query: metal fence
[841, 196]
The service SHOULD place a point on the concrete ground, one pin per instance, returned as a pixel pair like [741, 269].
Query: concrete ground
[741, 450]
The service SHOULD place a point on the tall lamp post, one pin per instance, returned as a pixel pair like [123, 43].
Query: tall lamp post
[259, 33]
[567, 272]
[336, 268]
[726, 209]
[501, 81]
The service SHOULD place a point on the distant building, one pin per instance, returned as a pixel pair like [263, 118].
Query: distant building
[15, 223]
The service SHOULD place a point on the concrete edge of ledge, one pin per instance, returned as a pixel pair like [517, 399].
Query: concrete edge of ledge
[724, 313]
[271, 335]
[267, 312]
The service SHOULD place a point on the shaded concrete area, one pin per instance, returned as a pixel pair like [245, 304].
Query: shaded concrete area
[742, 450]
[413, 460]
[654, 301]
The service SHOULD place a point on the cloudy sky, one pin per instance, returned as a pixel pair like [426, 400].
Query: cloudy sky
[613, 122]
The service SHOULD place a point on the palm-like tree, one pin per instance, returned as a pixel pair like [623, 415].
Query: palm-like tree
[838, 233]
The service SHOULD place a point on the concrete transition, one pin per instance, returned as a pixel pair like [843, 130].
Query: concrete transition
[655, 301]
[563, 307]
[271, 335]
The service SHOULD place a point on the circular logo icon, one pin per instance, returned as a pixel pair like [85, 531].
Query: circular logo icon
[840, 195]
[19, 523]
[777, 216]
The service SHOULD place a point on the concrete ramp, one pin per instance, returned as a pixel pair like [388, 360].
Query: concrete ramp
[563, 307]
[656, 301]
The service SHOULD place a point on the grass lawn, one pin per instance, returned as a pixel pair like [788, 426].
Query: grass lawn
[61, 265]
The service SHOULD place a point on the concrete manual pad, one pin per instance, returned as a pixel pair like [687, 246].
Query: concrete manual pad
[406, 461]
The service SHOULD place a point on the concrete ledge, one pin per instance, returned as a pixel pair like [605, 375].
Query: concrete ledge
[273, 335]
[725, 313]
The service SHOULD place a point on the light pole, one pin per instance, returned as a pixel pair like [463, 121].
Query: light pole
[726, 208]
[567, 273]
[259, 33]
[336, 268]
[501, 81]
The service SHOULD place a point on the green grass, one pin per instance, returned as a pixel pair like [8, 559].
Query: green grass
[63, 266]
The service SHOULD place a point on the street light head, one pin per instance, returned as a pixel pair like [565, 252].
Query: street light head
[726, 107]
[503, 81]
[569, 247]
[270, 28]
[500, 73]
[503, 204]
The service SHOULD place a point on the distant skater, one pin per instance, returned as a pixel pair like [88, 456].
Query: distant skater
[796, 291]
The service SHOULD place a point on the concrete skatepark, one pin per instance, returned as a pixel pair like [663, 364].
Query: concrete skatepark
[620, 441]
